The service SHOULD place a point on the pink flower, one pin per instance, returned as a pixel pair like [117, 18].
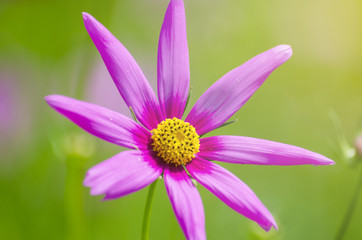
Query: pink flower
[163, 144]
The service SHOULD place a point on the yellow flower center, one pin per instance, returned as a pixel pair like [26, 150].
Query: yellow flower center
[175, 141]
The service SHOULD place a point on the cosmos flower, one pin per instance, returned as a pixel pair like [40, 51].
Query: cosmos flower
[164, 144]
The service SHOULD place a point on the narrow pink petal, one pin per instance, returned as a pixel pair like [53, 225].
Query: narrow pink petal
[229, 93]
[101, 122]
[126, 74]
[233, 192]
[122, 174]
[247, 150]
[186, 203]
[173, 68]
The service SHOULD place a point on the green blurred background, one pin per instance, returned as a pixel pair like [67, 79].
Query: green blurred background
[45, 49]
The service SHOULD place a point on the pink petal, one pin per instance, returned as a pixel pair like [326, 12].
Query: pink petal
[231, 191]
[173, 62]
[229, 93]
[123, 174]
[247, 150]
[101, 122]
[126, 74]
[186, 202]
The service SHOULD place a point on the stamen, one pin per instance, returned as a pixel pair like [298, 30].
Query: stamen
[175, 141]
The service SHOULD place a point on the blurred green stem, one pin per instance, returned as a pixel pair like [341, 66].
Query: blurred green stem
[147, 213]
[74, 202]
[350, 210]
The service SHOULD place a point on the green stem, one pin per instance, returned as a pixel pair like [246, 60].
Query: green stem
[147, 213]
[350, 211]
[74, 201]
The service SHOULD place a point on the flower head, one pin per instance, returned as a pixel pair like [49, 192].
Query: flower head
[165, 144]
[175, 141]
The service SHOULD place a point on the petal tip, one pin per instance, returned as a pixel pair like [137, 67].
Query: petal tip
[269, 226]
[89, 20]
[86, 16]
[322, 160]
[329, 162]
[174, 2]
[52, 99]
[48, 98]
[86, 181]
[286, 50]
[275, 225]
[285, 47]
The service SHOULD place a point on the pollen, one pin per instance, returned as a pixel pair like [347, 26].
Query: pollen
[175, 141]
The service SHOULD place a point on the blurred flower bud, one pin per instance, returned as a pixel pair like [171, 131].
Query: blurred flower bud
[80, 145]
[69, 145]
[345, 151]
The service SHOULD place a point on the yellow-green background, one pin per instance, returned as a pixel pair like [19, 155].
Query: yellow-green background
[45, 49]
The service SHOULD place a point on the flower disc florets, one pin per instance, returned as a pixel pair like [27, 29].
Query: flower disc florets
[175, 141]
